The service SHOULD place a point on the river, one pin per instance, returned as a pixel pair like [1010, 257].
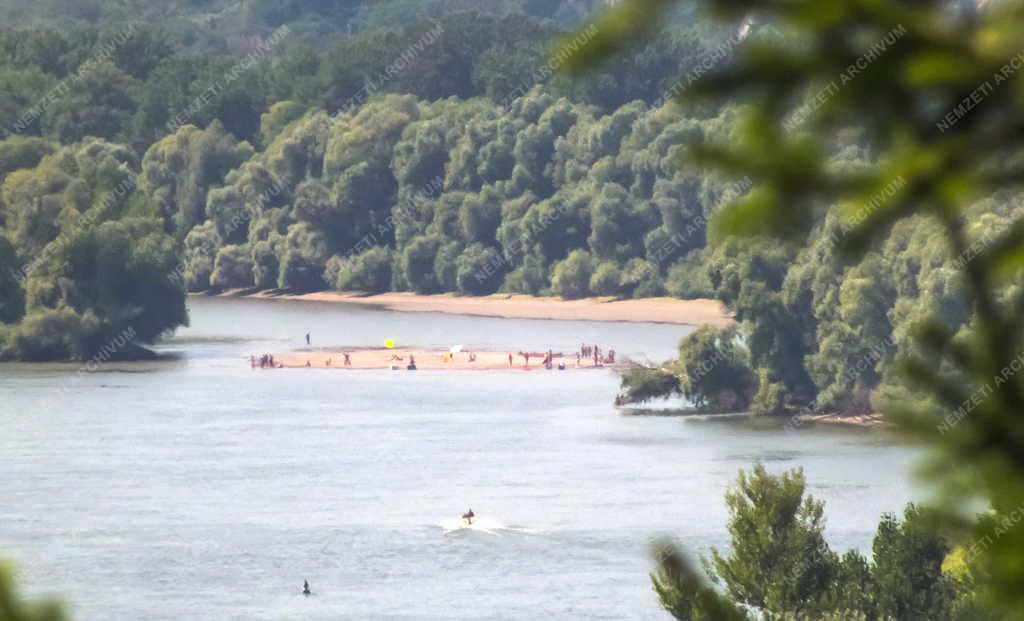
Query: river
[197, 488]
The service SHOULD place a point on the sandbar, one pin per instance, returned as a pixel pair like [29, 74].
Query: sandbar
[429, 359]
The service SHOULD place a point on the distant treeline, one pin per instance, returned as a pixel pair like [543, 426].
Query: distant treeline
[125, 82]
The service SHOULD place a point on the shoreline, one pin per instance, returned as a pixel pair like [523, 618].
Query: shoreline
[506, 306]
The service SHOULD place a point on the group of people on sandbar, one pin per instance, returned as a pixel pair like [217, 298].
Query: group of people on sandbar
[546, 363]
[409, 367]
[346, 360]
[586, 352]
[593, 352]
[266, 361]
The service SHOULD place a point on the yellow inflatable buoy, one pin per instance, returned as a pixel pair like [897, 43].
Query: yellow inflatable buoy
[389, 343]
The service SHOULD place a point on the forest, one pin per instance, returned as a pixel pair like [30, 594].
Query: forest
[450, 154]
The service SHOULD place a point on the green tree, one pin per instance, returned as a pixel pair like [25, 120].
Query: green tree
[368, 271]
[714, 369]
[778, 559]
[23, 89]
[100, 105]
[685, 592]
[908, 578]
[93, 260]
[233, 268]
[199, 251]
[640, 384]
[418, 261]
[606, 280]
[303, 256]
[22, 152]
[570, 278]
[779, 566]
[477, 270]
[277, 117]
[179, 170]
[12, 296]
[14, 608]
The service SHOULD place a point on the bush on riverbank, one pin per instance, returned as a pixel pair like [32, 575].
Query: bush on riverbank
[640, 384]
[713, 371]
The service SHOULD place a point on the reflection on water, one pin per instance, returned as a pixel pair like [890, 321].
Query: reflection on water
[198, 488]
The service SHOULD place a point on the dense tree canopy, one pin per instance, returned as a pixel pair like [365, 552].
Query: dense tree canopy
[780, 567]
[88, 258]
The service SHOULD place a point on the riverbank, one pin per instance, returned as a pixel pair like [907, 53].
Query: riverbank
[647, 310]
[427, 359]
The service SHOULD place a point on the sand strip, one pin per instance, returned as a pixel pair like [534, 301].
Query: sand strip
[648, 310]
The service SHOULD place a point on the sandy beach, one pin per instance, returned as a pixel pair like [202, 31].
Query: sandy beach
[648, 310]
[426, 360]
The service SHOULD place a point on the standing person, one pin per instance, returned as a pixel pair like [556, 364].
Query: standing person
[307, 338]
[527, 356]
[348, 361]
[577, 360]
[510, 360]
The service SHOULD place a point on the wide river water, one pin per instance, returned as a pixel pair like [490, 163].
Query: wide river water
[197, 488]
